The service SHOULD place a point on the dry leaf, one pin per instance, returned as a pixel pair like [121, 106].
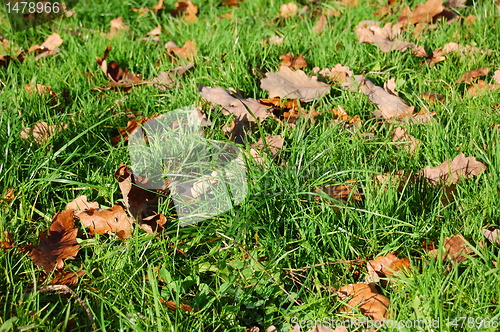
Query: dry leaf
[42, 131]
[172, 306]
[386, 266]
[288, 10]
[81, 203]
[320, 25]
[294, 84]
[481, 86]
[186, 9]
[66, 278]
[470, 76]
[456, 3]
[231, 3]
[337, 74]
[400, 135]
[238, 107]
[385, 38]
[496, 76]
[60, 244]
[390, 106]
[342, 192]
[117, 26]
[273, 40]
[369, 302]
[49, 46]
[142, 203]
[455, 249]
[273, 142]
[168, 79]
[432, 97]
[422, 13]
[39, 89]
[109, 221]
[492, 235]
[144, 10]
[8, 243]
[186, 52]
[126, 132]
[288, 60]
[450, 172]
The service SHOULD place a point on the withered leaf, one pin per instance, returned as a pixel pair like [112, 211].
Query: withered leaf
[274, 144]
[369, 302]
[412, 144]
[337, 74]
[66, 278]
[496, 76]
[342, 192]
[320, 25]
[81, 203]
[172, 306]
[9, 241]
[48, 47]
[168, 79]
[456, 249]
[107, 221]
[290, 84]
[386, 266]
[492, 235]
[386, 37]
[451, 171]
[117, 26]
[186, 52]
[186, 9]
[42, 131]
[60, 244]
[470, 76]
[288, 60]
[422, 13]
[288, 10]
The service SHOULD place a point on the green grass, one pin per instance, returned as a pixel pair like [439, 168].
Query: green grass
[280, 224]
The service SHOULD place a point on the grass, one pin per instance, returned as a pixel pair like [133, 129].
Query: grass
[238, 264]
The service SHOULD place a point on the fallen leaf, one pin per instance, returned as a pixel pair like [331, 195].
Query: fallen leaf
[455, 249]
[42, 131]
[186, 52]
[9, 195]
[496, 76]
[288, 10]
[289, 61]
[60, 244]
[440, 53]
[117, 27]
[369, 302]
[186, 9]
[81, 203]
[66, 278]
[125, 132]
[400, 135]
[456, 3]
[338, 74]
[48, 47]
[470, 76]
[107, 221]
[422, 13]
[231, 3]
[390, 106]
[294, 84]
[342, 192]
[273, 144]
[168, 79]
[241, 108]
[144, 10]
[385, 38]
[142, 203]
[320, 25]
[432, 97]
[386, 266]
[172, 306]
[492, 235]
[450, 172]
[481, 86]
[273, 40]
[8, 243]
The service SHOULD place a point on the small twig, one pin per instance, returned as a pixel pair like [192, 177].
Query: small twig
[262, 268]
[63, 289]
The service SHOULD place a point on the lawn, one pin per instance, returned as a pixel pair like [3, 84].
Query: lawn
[365, 206]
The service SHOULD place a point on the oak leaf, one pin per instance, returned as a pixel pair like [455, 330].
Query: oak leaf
[423, 13]
[273, 144]
[289, 61]
[386, 266]
[320, 25]
[42, 131]
[186, 9]
[81, 203]
[107, 221]
[412, 144]
[456, 249]
[9, 241]
[48, 47]
[451, 171]
[470, 76]
[117, 26]
[118, 77]
[369, 302]
[290, 84]
[67, 278]
[492, 235]
[187, 52]
[58, 245]
[288, 10]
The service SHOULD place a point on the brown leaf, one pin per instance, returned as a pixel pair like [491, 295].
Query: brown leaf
[481, 86]
[110, 221]
[120, 78]
[186, 9]
[273, 40]
[42, 131]
[288, 10]
[294, 84]
[231, 3]
[59, 245]
[440, 53]
[400, 135]
[142, 203]
[386, 266]
[238, 107]
[187, 52]
[117, 26]
[289, 61]
[455, 249]
[274, 144]
[126, 132]
[81, 203]
[48, 47]
[9, 196]
[172, 306]
[492, 235]
[385, 38]
[66, 278]
[342, 192]
[469, 76]
[8, 243]
[320, 25]
[450, 172]
[144, 10]
[456, 3]
[337, 74]
[390, 106]
[168, 79]
[367, 300]
[40, 89]
[496, 76]
[432, 97]
[422, 13]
